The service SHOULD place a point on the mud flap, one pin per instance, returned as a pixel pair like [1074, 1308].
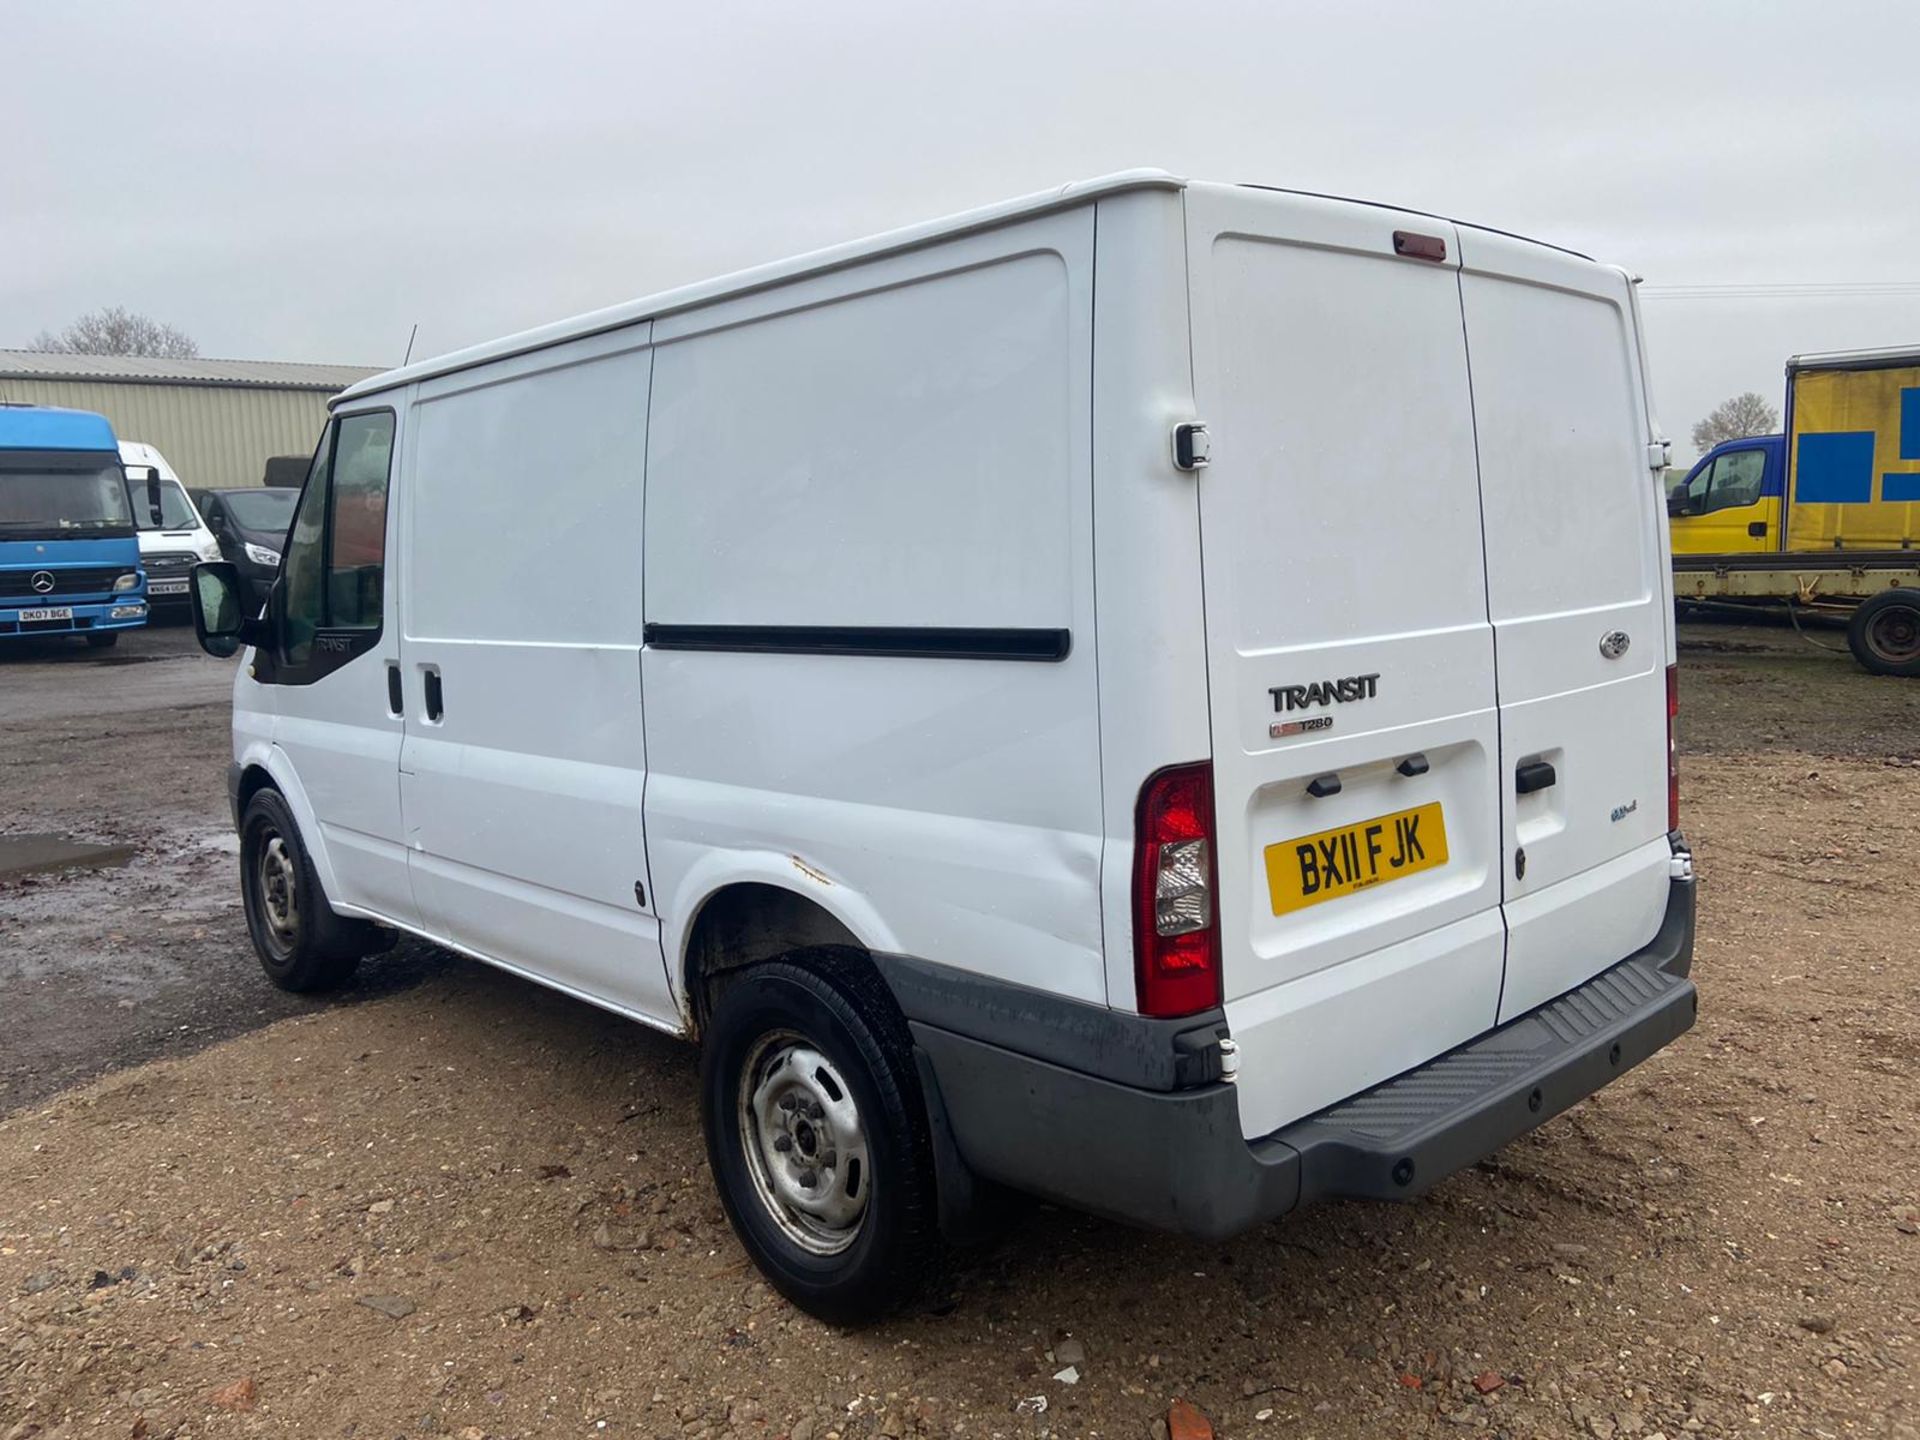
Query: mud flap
[963, 1216]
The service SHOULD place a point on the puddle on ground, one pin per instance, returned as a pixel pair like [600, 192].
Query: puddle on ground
[28, 854]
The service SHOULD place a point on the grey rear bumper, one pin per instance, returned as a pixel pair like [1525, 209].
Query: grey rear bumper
[1175, 1158]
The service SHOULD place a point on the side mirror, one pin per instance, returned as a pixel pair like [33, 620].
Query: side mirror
[153, 494]
[220, 621]
[216, 522]
[1677, 501]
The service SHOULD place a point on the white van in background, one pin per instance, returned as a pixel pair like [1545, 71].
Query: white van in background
[173, 541]
[1158, 695]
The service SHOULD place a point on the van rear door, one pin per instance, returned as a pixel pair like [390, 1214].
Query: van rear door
[1350, 660]
[1580, 608]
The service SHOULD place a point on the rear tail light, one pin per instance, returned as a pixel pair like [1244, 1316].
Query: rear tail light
[1673, 750]
[1176, 935]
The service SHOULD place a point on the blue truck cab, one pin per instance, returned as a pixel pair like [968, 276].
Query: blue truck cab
[1731, 502]
[69, 552]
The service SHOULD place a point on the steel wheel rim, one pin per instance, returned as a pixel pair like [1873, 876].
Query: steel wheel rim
[279, 901]
[805, 1144]
[1894, 634]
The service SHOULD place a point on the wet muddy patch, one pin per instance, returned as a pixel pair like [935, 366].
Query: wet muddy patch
[34, 854]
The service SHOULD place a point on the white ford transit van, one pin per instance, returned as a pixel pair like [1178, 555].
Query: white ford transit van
[1155, 695]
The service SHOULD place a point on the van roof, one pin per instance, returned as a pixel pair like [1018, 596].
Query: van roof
[742, 282]
[43, 427]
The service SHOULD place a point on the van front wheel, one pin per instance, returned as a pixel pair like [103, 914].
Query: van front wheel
[301, 943]
[1884, 633]
[817, 1135]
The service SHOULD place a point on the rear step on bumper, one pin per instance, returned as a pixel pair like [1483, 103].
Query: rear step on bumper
[1396, 1140]
[1176, 1160]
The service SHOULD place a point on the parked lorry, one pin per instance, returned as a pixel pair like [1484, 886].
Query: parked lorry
[1013, 691]
[69, 559]
[1823, 518]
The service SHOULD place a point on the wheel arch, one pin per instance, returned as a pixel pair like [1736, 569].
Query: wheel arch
[265, 765]
[758, 910]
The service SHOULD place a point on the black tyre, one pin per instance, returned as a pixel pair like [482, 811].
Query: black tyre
[1884, 633]
[102, 639]
[817, 1135]
[301, 943]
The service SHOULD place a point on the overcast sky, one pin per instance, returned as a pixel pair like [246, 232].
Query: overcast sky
[294, 181]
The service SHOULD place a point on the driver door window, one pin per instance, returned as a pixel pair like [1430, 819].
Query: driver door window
[1737, 478]
[333, 577]
[1733, 480]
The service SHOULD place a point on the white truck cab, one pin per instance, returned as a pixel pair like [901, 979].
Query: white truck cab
[173, 541]
[1157, 695]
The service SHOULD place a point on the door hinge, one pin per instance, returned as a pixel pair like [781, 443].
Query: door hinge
[1659, 455]
[1192, 446]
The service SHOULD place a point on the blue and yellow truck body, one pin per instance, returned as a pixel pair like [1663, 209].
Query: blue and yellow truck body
[1825, 516]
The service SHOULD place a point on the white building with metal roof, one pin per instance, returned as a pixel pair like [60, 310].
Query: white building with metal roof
[216, 421]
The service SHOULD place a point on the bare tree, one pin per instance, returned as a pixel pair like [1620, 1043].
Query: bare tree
[1735, 419]
[117, 331]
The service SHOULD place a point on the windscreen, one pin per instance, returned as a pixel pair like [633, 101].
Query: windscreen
[263, 509]
[176, 512]
[63, 495]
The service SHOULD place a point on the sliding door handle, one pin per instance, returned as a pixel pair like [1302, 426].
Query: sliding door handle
[396, 696]
[1532, 776]
[436, 703]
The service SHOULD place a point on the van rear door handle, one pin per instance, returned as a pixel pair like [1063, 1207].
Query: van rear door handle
[1532, 776]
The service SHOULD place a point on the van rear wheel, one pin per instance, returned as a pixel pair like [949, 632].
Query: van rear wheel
[300, 942]
[817, 1135]
[1884, 633]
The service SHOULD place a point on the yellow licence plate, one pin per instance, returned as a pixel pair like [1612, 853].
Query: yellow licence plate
[1354, 857]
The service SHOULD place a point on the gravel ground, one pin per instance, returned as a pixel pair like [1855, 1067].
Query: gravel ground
[460, 1205]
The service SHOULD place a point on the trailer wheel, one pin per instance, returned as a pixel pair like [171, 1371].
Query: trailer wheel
[1884, 633]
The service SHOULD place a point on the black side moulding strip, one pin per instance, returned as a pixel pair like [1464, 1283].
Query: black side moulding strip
[914, 641]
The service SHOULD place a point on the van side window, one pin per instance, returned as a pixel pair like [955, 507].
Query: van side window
[335, 567]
